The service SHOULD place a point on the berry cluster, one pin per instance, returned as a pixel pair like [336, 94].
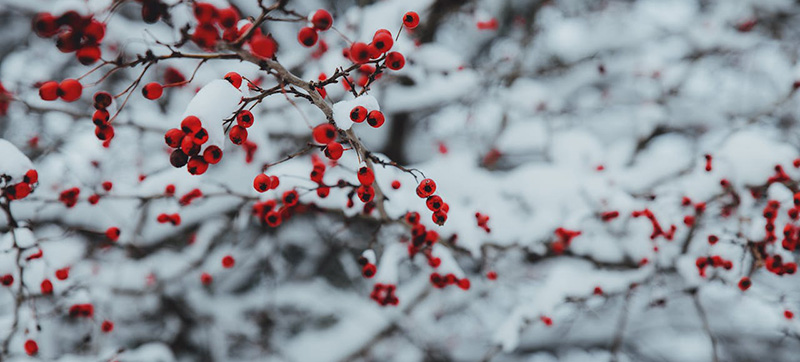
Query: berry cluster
[187, 142]
[81, 310]
[383, 294]
[441, 281]
[775, 264]
[657, 230]
[69, 197]
[422, 240]
[563, 239]
[264, 183]
[714, 261]
[211, 21]
[374, 118]
[325, 134]
[22, 189]
[174, 219]
[483, 221]
[426, 190]
[102, 117]
[265, 210]
[68, 90]
[321, 20]
[74, 33]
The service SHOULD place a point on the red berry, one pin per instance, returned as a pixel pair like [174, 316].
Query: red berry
[112, 233]
[491, 275]
[411, 20]
[464, 284]
[70, 90]
[322, 20]
[263, 46]
[107, 185]
[745, 283]
[104, 132]
[188, 146]
[228, 262]
[235, 79]
[206, 279]
[439, 217]
[227, 18]
[434, 203]
[426, 188]
[7, 280]
[212, 155]
[307, 36]
[365, 193]
[368, 271]
[395, 60]
[62, 274]
[396, 184]
[190, 125]
[49, 91]
[94, 32]
[323, 191]
[412, 218]
[46, 287]
[153, 91]
[274, 182]
[204, 12]
[290, 198]
[102, 100]
[358, 114]
[375, 119]
[359, 52]
[245, 118]
[197, 166]
[31, 348]
[107, 326]
[200, 137]
[101, 117]
[44, 24]
[88, 54]
[273, 219]
[334, 150]
[324, 133]
[238, 134]
[261, 183]
[366, 176]
[172, 75]
[382, 41]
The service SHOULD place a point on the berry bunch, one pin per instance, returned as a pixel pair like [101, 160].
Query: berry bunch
[74, 33]
[325, 134]
[321, 20]
[483, 221]
[68, 90]
[426, 190]
[384, 295]
[102, 117]
[441, 281]
[21, 189]
[714, 261]
[563, 239]
[187, 142]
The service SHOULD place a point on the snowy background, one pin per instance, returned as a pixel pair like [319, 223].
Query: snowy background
[543, 115]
